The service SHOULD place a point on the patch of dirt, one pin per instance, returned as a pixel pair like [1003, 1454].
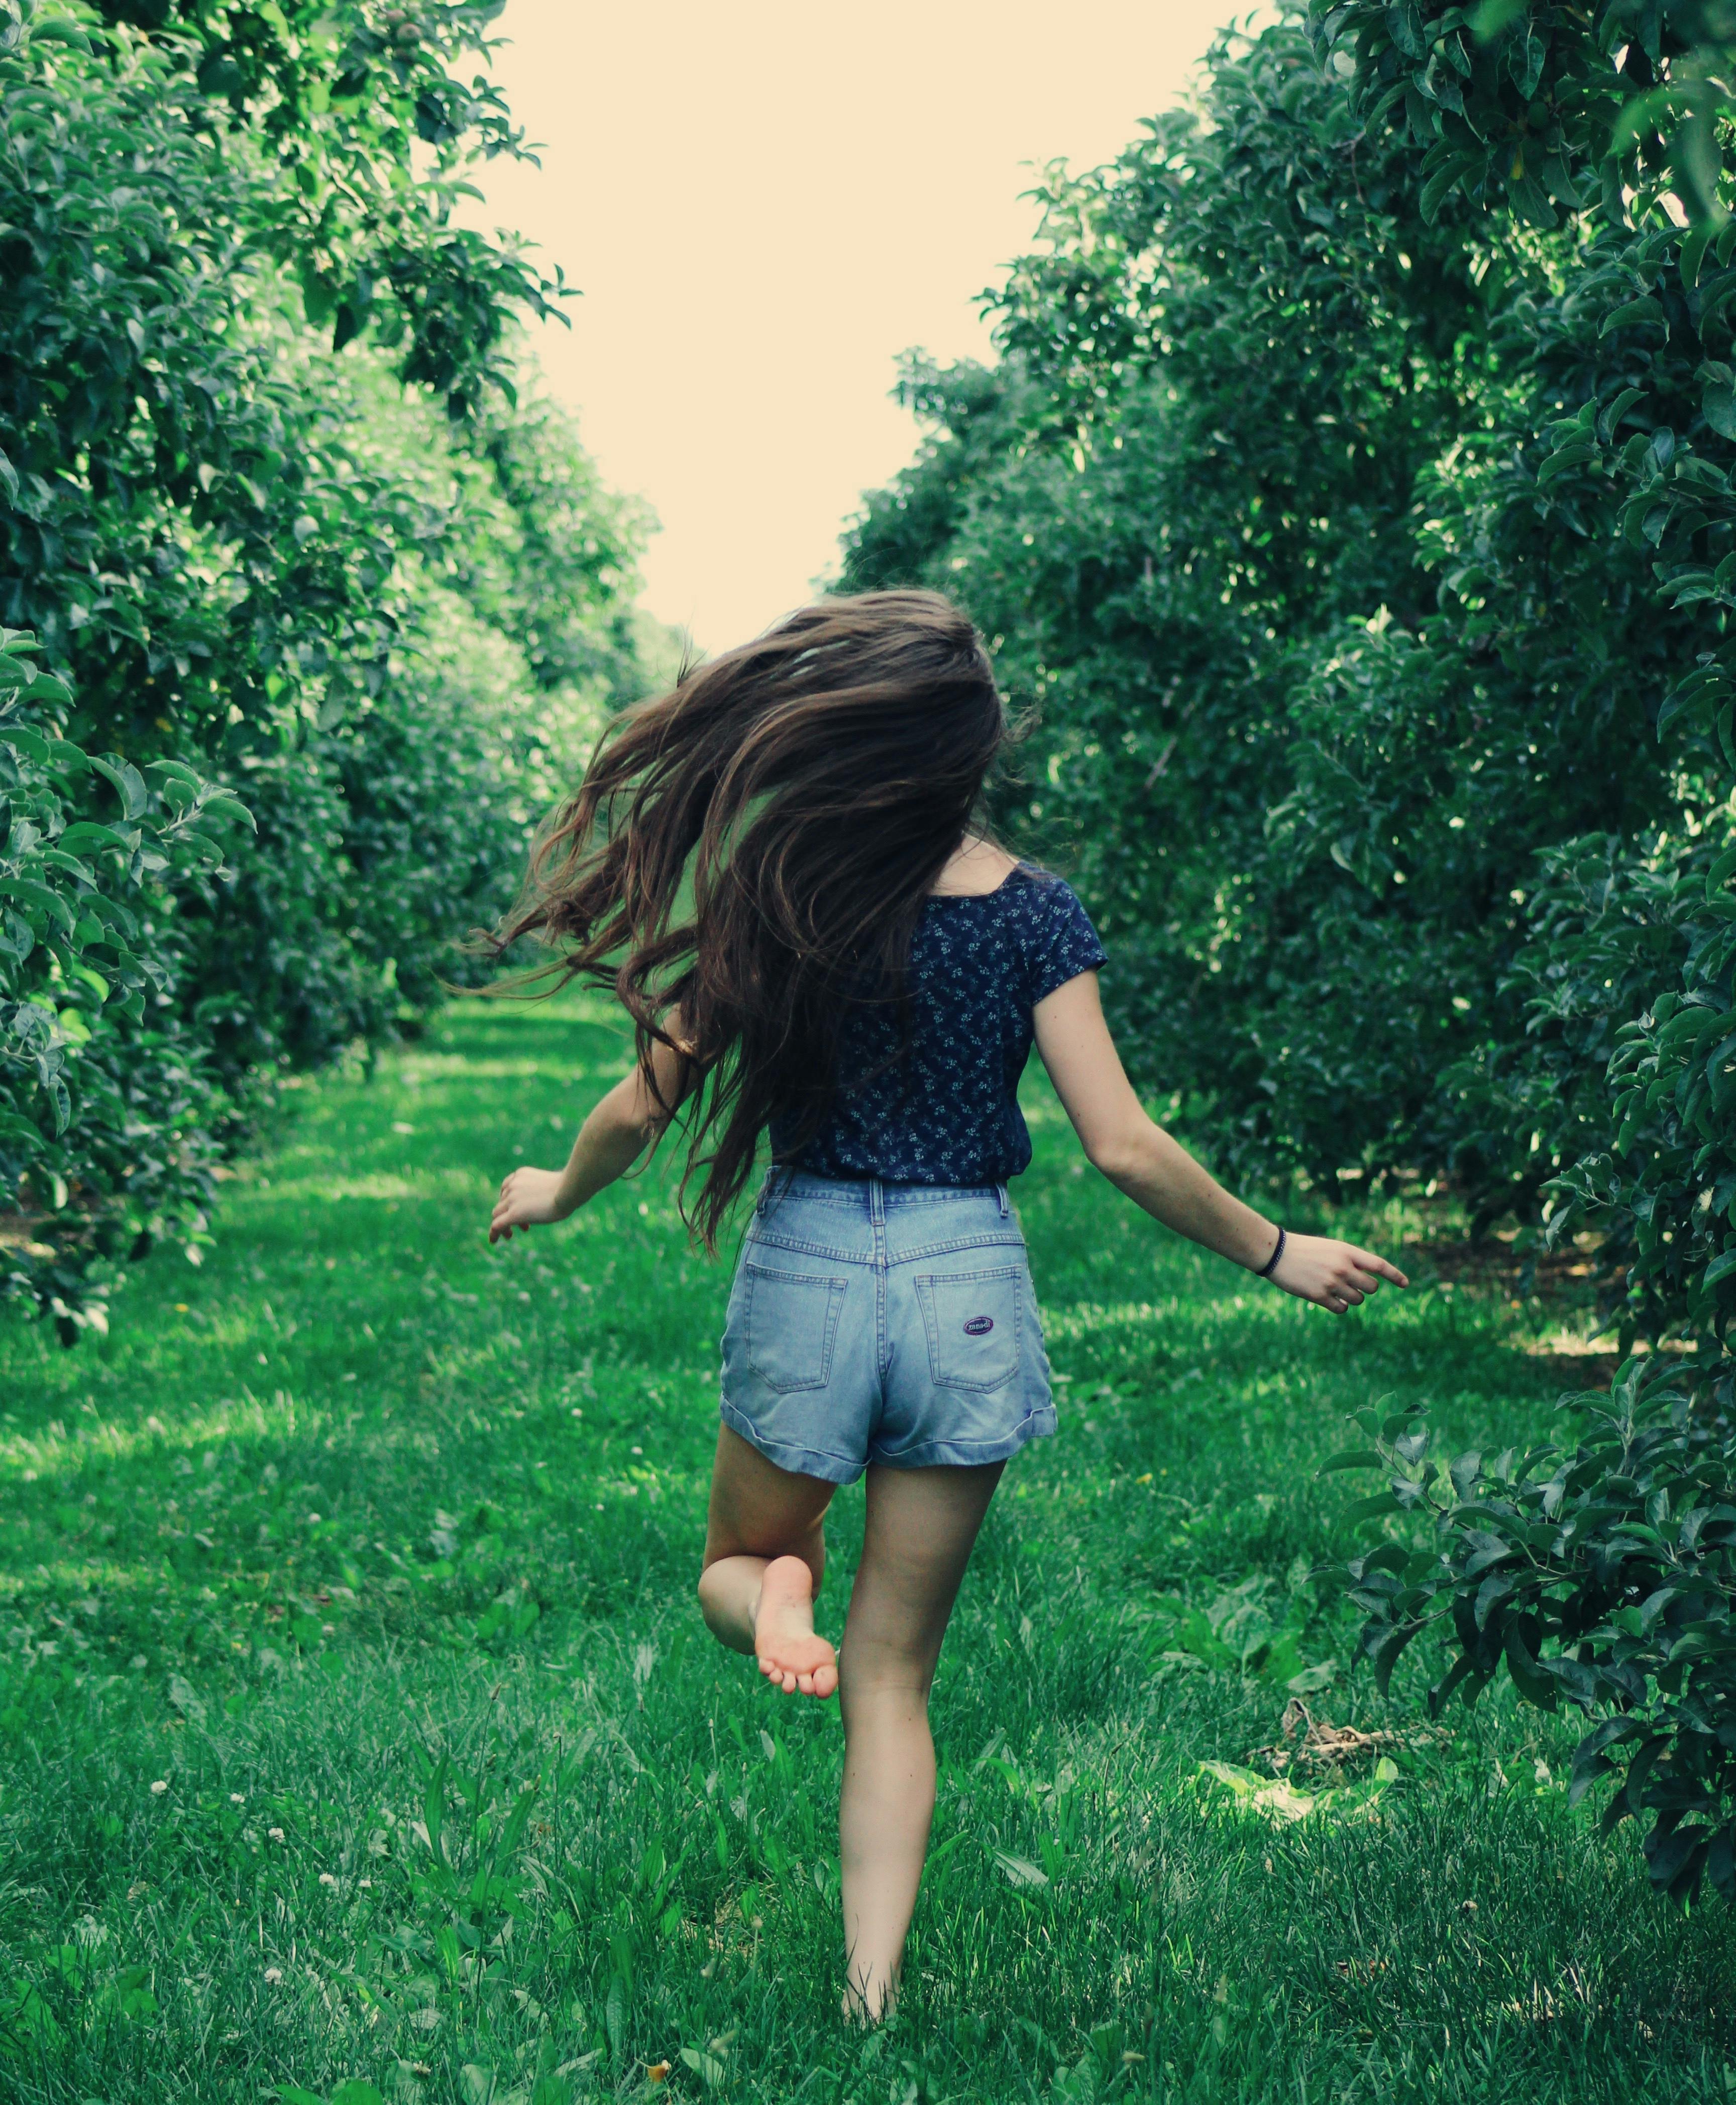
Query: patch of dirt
[1573, 1279]
[1575, 1364]
[1493, 1264]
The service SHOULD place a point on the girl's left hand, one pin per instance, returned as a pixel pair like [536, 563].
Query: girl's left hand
[528, 1199]
[1334, 1276]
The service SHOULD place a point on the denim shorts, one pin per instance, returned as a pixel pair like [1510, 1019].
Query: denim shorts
[887, 1323]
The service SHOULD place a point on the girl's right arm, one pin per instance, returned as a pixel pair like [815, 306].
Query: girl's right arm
[628, 1121]
[1157, 1172]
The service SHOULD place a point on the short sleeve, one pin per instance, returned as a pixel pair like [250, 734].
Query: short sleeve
[1065, 943]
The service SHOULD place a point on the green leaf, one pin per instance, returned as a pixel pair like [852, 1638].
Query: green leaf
[31, 743]
[128, 784]
[1723, 869]
[1387, 1653]
[226, 806]
[56, 858]
[177, 771]
[1444, 180]
[1720, 1269]
[1610, 419]
[1558, 463]
[1313, 1678]
[87, 834]
[1463, 1470]
[38, 895]
[1644, 310]
[1377, 1503]
[1534, 1685]
[1718, 398]
[1352, 1458]
[58, 29]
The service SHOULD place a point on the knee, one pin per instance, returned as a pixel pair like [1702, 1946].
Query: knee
[880, 1673]
[725, 1603]
[710, 1583]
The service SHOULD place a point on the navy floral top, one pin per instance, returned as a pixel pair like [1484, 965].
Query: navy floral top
[948, 1112]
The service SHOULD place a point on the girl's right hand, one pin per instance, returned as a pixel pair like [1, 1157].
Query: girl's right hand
[528, 1199]
[1334, 1276]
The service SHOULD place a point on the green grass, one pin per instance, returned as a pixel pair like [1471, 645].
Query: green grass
[363, 1539]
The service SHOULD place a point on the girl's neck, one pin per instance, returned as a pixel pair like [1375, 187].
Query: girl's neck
[976, 867]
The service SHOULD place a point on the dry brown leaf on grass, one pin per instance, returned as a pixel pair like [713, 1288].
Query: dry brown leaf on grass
[1306, 1742]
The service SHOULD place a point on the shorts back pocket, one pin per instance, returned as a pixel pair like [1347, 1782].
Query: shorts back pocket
[973, 1322]
[790, 1319]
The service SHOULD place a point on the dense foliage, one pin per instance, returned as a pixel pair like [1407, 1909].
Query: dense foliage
[275, 510]
[1252, 405]
[1356, 494]
[1604, 1579]
[1610, 1579]
[1357, 541]
[1628, 1075]
[87, 992]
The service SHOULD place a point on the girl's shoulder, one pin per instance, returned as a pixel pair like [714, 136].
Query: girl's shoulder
[1055, 931]
[1042, 890]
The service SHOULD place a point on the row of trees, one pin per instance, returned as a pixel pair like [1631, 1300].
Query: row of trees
[1359, 538]
[308, 612]
[1355, 493]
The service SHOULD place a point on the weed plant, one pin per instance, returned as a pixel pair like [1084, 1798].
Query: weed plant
[358, 1736]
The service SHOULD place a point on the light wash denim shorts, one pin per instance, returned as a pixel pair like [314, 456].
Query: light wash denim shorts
[887, 1323]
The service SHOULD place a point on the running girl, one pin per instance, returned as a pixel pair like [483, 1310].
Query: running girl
[779, 871]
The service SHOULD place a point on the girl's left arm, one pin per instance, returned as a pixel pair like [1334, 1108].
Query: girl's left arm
[628, 1121]
[1158, 1173]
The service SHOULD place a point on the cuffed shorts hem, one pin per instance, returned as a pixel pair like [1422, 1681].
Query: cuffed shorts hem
[930, 1455]
[803, 1461]
[970, 1453]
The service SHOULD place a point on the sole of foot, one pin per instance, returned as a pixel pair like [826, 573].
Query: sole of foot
[791, 1655]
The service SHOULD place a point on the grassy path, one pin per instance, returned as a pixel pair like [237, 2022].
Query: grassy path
[356, 1725]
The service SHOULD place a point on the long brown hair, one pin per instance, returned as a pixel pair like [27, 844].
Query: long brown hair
[754, 849]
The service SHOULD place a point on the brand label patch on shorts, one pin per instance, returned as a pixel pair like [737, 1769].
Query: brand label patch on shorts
[979, 1326]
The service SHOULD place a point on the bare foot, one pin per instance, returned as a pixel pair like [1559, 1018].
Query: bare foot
[865, 2007]
[790, 1655]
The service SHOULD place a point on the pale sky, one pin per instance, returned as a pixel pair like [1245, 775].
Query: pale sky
[764, 205]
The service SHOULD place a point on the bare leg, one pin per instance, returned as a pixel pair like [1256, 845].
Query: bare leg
[921, 1524]
[765, 1556]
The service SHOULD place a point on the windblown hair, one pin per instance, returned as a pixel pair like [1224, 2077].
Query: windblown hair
[752, 851]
